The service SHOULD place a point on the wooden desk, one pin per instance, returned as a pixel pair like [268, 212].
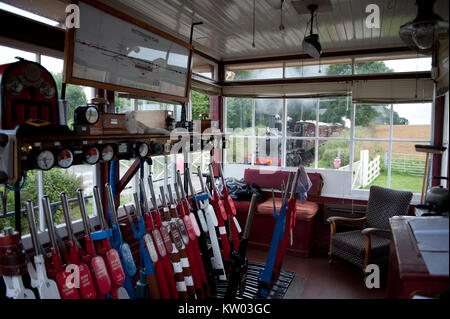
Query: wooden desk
[408, 272]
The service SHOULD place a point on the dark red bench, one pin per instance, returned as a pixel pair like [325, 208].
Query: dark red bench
[264, 223]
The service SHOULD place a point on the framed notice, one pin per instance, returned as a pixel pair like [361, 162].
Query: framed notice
[111, 50]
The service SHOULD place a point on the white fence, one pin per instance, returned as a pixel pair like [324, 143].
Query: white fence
[365, 171]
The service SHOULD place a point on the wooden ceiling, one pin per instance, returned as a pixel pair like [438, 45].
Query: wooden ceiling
[226, 32]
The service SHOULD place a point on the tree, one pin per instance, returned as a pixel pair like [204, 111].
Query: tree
[365, 113]
[200, 104]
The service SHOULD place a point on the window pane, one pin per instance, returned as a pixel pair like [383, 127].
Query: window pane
[334, 154]
[372, 121]
[8, 55]
[239, 116]
[76, 95]
[204, 67]
[69, 180]
[254, 72]
[373, 65]
[268, 117]
[200, 104]
[300, 151]
[334, 117]
[412, 121]
[268, 151]
[301, 117]
[126, 196]
[407, 167]
[240, 150]
[297, 70]
[370, 166]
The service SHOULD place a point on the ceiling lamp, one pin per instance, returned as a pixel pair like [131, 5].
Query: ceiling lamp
[421, 33]
[311, 44]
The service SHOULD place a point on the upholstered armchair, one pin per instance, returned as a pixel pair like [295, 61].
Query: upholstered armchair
[371, 244]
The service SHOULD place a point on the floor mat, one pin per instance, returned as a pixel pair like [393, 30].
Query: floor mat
[250, 290]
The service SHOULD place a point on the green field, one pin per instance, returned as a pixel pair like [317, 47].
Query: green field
[399, 181]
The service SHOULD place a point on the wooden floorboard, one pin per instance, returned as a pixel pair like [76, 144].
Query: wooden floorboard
[323, 280]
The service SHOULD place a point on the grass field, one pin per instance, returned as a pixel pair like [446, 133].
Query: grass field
[399, 181]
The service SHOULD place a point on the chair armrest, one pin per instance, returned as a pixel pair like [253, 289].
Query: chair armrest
[332, 219]
[369, 231]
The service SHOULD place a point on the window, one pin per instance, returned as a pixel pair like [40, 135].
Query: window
[337, 66]
[372, 65]
[312, 68]
[204, 67]
[200, 105]
[378, 149]
[384, 152]
[254, 71]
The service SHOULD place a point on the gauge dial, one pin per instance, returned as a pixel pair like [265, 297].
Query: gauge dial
[45, 160]
[14, 85]
[65, 158]
[107, 153]
[47, 90]
[143, 150]
[92, 155]
[92, 115]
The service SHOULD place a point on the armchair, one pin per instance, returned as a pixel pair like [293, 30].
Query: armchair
[371, 244]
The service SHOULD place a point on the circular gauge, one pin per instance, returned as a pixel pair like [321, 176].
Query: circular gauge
[32, 72]
[14, 85]
[91, 114]
[47, 90]
[143, 149]
[92, 155]
[45, 160]
[107, 153]
[65, 158]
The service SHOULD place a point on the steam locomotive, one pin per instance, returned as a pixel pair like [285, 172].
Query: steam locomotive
[297, 150]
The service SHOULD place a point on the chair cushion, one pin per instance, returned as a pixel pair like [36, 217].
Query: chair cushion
[354, 243]
[304, 211]
[242, 206]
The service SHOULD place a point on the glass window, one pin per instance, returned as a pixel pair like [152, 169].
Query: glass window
[9, 55]
[301, 117]
[240, 150]
[412, 121]
[370, 165]
[300, 151]
[312, 68]
[407, 167]
[334, 154]
[204, 67]
[239, 116]
[374, 65]
[254, 72]
[334, 117]
[76, 95]
[268, 151]
[268, 117]
[200, 104]
[372, 121]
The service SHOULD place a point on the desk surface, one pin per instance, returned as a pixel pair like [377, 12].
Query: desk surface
[409, 258]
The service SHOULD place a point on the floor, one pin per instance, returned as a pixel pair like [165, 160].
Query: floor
[323, 280]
